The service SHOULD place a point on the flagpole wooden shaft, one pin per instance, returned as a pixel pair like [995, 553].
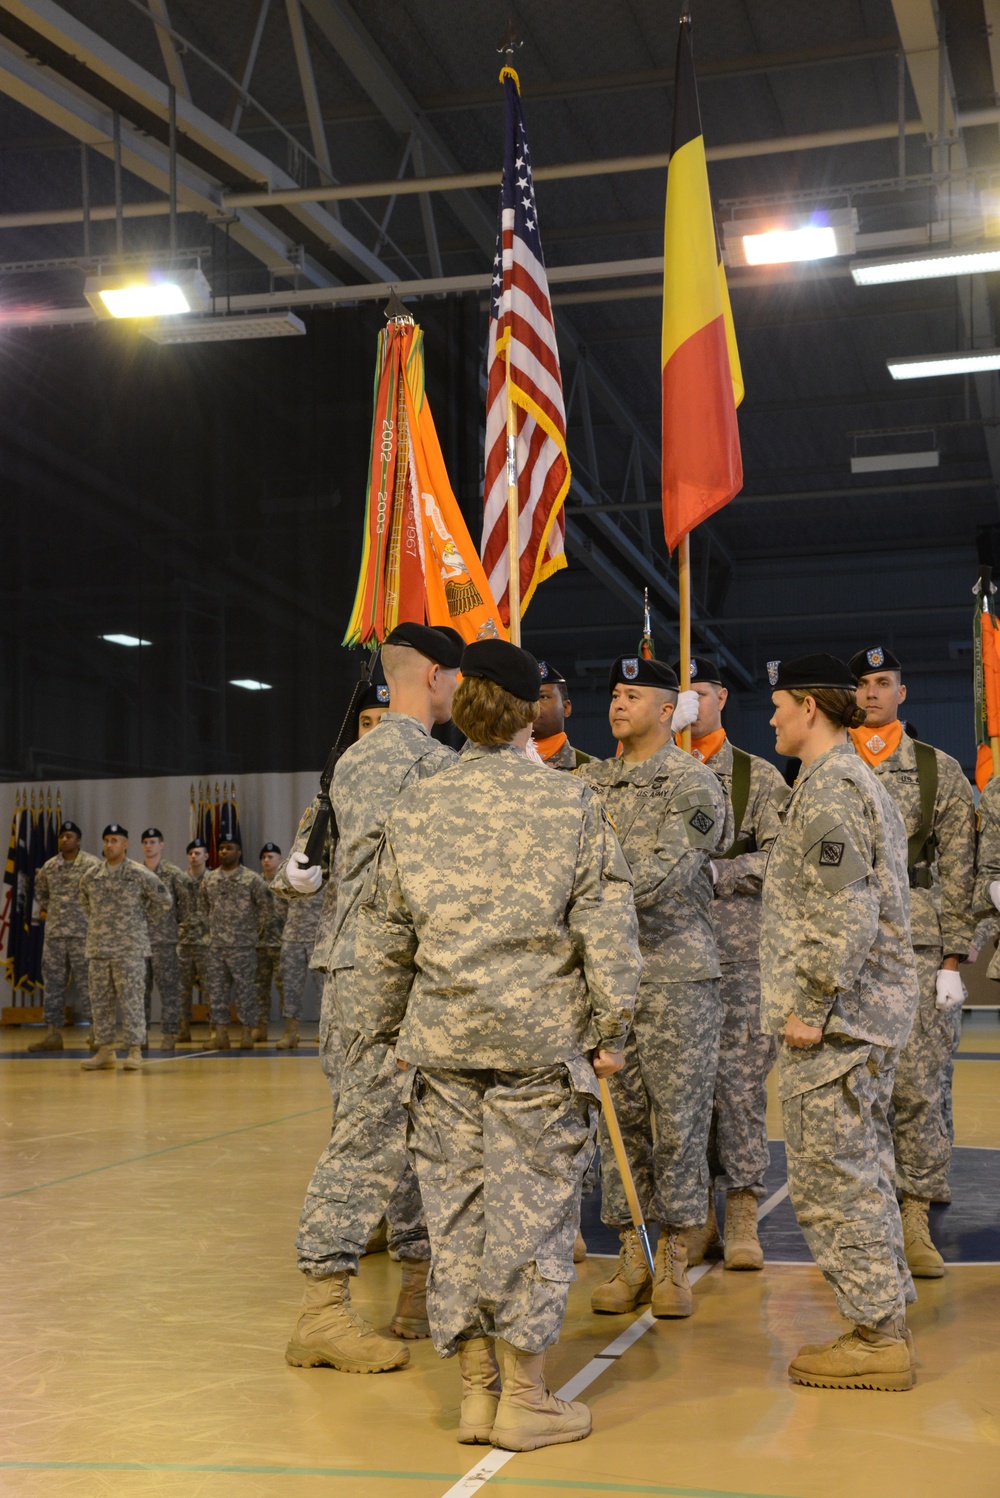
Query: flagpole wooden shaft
[995, 751]
[684, 592]
[513, 550]
[624, 1169]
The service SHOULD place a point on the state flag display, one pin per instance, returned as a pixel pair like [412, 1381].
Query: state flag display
[523, 339]
[702, 381]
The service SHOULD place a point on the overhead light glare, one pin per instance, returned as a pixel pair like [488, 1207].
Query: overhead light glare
[148, 294]
[124, 640]
[249, 685]
[926, 366]
[927, 267]
[779, 246]
[790, 237]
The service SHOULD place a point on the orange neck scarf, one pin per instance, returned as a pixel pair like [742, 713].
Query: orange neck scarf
[551, 745]
[876, 744]
[705, 748]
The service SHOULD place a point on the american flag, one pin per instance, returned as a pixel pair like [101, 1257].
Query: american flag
[521, 330]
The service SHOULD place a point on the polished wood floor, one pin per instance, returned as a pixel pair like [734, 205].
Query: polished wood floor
[148, 1287]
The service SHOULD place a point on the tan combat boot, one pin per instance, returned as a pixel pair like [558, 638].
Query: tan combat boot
[218, 1040]
[528, 1415]
[705, 1242]
[258, 1035]
[330, 1333]
[167, 1041]
[51, 1041]
[133, 1061]
[743, 1250]
[103, 1059]
[184, 1033]
[579, 1248]
[671, 1290]
[410, 1318]
[923, 1258]
[246, 1038]
[289, 1041]
[480, 1390]
[630, 1285]
[863, 1358]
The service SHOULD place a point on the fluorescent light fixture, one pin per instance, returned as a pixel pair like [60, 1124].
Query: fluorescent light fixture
[124, 640]
[249, 685]
[971, 262]
[141, 294]
[224, 329]
[790, 237]
[888, 462]
[926, 366]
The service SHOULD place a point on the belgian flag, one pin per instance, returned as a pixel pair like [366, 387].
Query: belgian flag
[702, 382]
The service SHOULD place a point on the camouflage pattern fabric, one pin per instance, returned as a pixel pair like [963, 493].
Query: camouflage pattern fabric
[57, 889]
[163, 923]
[64, 959]
[191, 971]
[277, 912]
[118, 979]
[192, 913]
[331, 1047]
[230, 973]
[116, 902]
[567, 758]
[266, 974]
[239, 906]
[920, 1131]
[500, 1156]
[740, 880]
[301, 928]
[163, 967]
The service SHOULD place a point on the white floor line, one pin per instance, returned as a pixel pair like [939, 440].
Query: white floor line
[181, 1056]
[491, 1464]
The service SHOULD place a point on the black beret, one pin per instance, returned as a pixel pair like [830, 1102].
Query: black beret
[444, 646]
[875, 659]
[377, 695]
[196, 842]
[809, 671]
[512, 668]
[550, 674]
[228, 837]
[70, 827]
[636, 671]
[114, 830]
[269, 848]
[703, 668]
[152, 832]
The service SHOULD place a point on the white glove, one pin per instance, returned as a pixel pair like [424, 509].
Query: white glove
[531, 752]
[713, 870]
[305, 878]
[995, 893]
[950, 990]
[685, 711]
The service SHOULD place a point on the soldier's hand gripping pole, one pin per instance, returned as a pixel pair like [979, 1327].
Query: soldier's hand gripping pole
[624, 1170]
[325, 821]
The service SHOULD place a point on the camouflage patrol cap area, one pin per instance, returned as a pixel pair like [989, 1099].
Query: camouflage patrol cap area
[876, 658]
[637, 671]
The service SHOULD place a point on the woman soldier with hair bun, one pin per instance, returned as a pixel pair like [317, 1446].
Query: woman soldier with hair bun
[839, 989]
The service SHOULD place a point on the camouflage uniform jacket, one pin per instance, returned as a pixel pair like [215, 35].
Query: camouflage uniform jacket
[497, 927]
[740, 879]
[302, 920]
[670, 814]
[942, 915]
[238, 907]
[163, 923]
[568, 758]
[192, 913]
[988, 864]
[835, 944]
[57, 889]
[273, 928]
[116, 902]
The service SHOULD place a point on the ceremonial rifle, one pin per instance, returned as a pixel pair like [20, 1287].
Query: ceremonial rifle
[325, 821]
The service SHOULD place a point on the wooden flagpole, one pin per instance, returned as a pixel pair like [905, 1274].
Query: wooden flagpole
[684, 590]
[513, 549]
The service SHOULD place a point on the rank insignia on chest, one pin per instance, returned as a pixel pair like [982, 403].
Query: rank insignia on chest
[830, 854]
[875, 744]
[702, 822]
[630, 668]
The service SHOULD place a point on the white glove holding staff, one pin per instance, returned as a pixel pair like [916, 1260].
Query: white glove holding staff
[995, 893]
[950, 990]
[685, 711]
[304, 877]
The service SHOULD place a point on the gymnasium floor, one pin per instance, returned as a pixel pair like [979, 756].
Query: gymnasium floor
[149, 1288]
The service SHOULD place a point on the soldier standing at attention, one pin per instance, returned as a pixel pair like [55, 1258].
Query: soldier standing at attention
[117, 897]
[737, 1148]
[935, 801]
[839, 989]
[549, 729]
[364, 1173]
[497, 950]
[192, 934]
[672, 817]
[269, 946]
[162, 964]
[239, 904]
[297, 941]
[57, 887]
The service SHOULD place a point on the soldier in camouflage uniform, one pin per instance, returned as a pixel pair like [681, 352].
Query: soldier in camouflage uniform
[548, 731]
[672, 816]
[162, 964]
[497, 950]
[839, 988]
[239, 906]
[935, 800]
[364, 1172]
[57, 889]
[269, 946]
[117, 897]
[192, 934]
[737, 1148]
[297, 941]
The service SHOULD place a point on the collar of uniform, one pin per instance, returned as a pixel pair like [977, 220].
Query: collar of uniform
[648, 770]
[706, 748]
[824, 758]
[390, 717]
[551, 745]
[481, 751]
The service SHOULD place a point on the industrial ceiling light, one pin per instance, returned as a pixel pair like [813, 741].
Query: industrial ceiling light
[138, 294]
[970, 262]
[124, 640]
[890, 462]
[223, 329]
[790, 237]
[926, 366]
[249, 685]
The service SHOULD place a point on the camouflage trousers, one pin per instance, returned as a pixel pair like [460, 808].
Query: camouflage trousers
[268, 972]
[231, 967]
[500, 1156]
[121, 980]
[663, 1098]
[840, 1180]
[191, 971]
[293, 976]
[331, 1047]
[920, 1128]
[164, 968]
[737, 1141]
[64, 961]
[364, 1174]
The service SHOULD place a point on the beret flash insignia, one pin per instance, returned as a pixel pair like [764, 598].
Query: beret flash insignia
[693, 667]
[772, 672]
[875, 656]
[543, 670]
[630, 668]
[382, 693]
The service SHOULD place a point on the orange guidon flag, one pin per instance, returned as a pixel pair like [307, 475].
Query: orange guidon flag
[702, 382]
